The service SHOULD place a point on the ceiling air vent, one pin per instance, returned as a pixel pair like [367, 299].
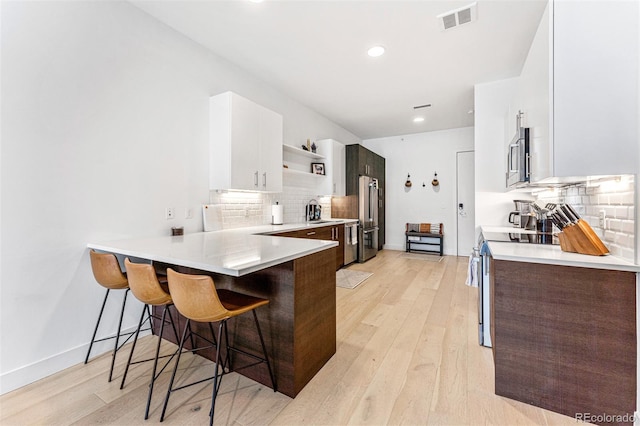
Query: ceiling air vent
[457, 17]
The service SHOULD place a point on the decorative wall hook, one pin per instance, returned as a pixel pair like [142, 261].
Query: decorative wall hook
[435, 181]
[408, 182]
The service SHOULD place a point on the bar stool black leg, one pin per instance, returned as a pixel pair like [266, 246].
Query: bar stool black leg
[227, 361]
[173, 324]
[115, 347]
[133, 347]
[155, 362]
[213, 335]
[187, 327]
[93, 338]
[216, 383]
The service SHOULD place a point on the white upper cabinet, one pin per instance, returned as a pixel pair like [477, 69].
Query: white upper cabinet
[245, 145]
[579, 90]
[534, 101]
[335, 165]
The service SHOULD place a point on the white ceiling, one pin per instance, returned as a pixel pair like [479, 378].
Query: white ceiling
[316, 53]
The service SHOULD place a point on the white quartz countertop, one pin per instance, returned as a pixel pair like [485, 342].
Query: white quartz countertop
[276, 229]
[551, 254]
[232, 252]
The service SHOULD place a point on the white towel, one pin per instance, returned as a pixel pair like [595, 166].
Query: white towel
[472, 273]
[354, 234]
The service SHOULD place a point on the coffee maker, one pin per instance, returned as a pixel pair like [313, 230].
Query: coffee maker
[313, 211]
[523, 215]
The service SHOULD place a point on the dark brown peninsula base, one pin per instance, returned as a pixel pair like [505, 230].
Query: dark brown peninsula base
[299, 324]
[565, 339]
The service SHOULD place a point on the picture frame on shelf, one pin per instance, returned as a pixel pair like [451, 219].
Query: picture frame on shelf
[317, 168]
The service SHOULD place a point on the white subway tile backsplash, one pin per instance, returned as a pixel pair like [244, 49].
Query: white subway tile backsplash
[241, 209]
[628, 226]
[622, 212]
[628, 198]
[602, 199]
[616, 198]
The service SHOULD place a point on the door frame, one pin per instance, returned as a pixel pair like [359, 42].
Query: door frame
[457, 197]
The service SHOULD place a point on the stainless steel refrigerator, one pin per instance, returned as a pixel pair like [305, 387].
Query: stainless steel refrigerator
[368, 215]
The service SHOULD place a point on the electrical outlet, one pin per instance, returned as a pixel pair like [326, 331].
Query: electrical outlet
[188, 213]
[602, 219]
[169, 213]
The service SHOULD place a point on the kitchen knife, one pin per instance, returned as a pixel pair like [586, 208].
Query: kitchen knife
[564, 217]
[587, 231]
[556, 222]
[559, 221]
[567, 212]
[573, 212]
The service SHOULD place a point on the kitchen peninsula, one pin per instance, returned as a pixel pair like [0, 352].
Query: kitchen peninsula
[563, 327]
[296, 275]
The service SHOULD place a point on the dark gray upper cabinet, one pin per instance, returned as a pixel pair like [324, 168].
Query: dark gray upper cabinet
[362, 162]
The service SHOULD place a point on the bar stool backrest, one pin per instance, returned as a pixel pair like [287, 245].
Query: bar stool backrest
[195, 297]
[106, 270]
[144, 284]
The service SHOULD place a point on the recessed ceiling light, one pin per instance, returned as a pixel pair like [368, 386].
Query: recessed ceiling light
[418, 119]
[376, 51]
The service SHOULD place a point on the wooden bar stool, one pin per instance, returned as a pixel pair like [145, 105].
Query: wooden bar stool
[148, 289]
[107, 273]
[197, 299]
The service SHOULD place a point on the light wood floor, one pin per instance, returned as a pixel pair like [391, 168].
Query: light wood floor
[407, 354]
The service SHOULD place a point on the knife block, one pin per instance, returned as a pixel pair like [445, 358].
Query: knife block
[580, 238]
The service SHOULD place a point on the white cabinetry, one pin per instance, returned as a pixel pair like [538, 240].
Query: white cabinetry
[579, 90]
[299, 161]
[245, 142]
[335, 153]
[329, 152]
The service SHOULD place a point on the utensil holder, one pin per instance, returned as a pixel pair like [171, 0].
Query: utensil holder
[580, 238]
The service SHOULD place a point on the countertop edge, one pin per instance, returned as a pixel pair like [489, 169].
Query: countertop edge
[313, 248]
[298, 255]
[287, 227]
[602, 262]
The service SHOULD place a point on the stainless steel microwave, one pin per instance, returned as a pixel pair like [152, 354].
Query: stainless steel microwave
[519, 157]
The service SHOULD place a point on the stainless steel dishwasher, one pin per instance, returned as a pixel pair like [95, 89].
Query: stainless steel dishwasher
[350, 242]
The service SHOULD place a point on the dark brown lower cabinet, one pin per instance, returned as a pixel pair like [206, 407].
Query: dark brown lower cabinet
[565, 338]
[298, 324]
[329, 233]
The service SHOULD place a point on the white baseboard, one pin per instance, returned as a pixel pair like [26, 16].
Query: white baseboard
[22, 376]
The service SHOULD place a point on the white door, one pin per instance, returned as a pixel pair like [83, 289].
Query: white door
[465, 205]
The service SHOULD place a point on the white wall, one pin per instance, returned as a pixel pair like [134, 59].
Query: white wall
[420, 155]
[495, 123]
[104, 114]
